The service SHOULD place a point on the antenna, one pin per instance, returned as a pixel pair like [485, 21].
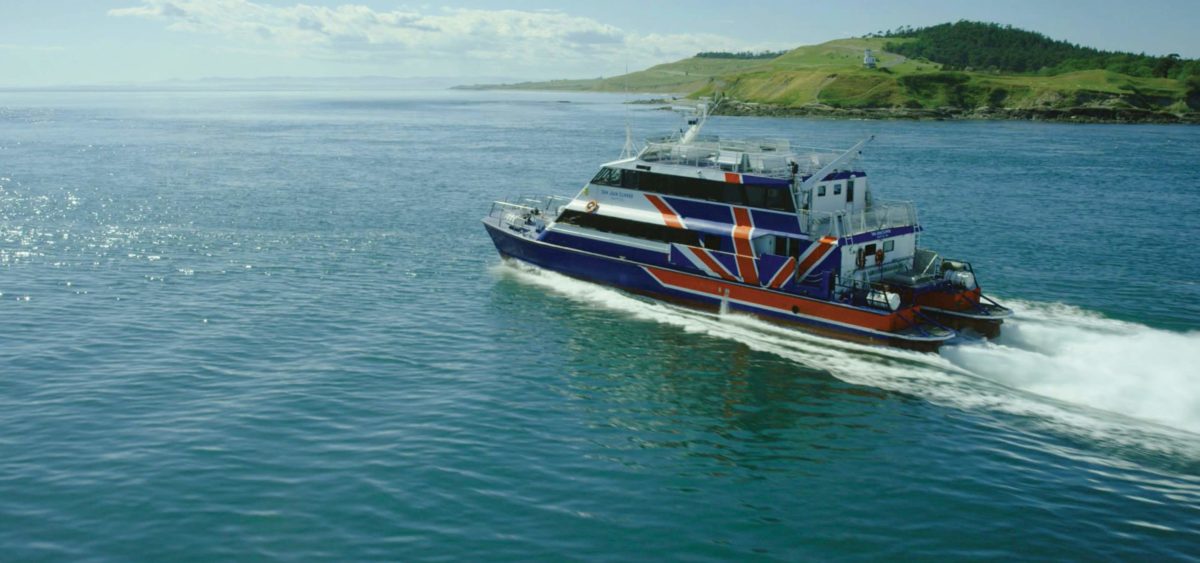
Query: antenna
[628, 150]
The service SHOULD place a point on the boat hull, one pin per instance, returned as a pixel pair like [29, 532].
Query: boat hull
[706, 293]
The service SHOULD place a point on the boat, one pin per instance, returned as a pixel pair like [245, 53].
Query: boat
[753, 226]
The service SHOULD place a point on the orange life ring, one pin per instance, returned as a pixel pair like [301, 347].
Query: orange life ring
[878, 256]
[592, 206]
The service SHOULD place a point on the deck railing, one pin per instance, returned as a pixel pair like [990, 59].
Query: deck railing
[880, 215]
[539, 205]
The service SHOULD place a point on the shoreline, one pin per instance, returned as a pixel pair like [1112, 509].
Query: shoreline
[1129, 116]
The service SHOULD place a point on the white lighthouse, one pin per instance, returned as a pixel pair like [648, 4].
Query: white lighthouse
[868, 59]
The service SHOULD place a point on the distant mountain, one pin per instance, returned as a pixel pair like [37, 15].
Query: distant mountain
[964, 69]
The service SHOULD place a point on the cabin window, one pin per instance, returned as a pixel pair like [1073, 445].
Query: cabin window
[850, 190]
[889, 245]
[637, 229]
[870, 249]
[630, 179]
[786, 246]
[820, 191]
[768, 197]
[837, 189]
[780, 198]
[733, 193]
[756, 196]
[712, 242]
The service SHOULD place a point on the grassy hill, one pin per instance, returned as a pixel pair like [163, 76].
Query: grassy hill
[830, 79]
[679, 77]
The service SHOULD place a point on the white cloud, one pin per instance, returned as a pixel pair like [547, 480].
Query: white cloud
[541, 42]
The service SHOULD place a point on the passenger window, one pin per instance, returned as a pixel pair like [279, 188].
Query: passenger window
[629, 179]
[756, 196]
[837, 189]
[712, 242]
[870, 249]
[889, 245]
[784, 246]
[734, 194]
[820, 191]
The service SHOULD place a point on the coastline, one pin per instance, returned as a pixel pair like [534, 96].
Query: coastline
[1061, 115]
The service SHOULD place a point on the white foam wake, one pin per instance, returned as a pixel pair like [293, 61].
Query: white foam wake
[1079, 357]
[1054, 351]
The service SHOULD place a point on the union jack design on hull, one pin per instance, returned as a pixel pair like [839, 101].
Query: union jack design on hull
[757, 227]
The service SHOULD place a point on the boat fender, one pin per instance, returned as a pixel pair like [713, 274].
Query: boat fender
[879, 257]
[861, 259]
[592, 206]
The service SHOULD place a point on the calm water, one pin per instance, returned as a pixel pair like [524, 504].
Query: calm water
[269, 325]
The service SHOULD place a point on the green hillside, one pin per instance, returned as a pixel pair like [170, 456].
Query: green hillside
[678, 77]
[830, 79]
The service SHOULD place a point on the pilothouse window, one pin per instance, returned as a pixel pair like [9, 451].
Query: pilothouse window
[608, 177]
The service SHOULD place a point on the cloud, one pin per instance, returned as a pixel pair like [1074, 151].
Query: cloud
[540, 41]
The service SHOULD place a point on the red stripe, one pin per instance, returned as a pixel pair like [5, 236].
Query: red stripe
[733, 178]
[741, 232]
[814, 257]
[741, 243]
[784, 303]
[669, 215]
[711, 262]
[748, 269]
[784, 273]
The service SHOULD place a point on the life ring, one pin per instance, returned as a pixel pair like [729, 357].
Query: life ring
[592, 206]
[879, 257]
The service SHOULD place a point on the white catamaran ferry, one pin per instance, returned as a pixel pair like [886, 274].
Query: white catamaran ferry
[754, 226]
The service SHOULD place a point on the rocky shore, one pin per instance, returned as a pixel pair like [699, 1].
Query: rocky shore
[1071, 115]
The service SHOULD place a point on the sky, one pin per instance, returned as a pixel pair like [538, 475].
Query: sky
[81, 42]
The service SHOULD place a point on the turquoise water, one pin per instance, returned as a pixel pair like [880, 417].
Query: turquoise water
[264, 325]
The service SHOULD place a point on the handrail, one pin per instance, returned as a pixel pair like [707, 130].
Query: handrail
[880, 215]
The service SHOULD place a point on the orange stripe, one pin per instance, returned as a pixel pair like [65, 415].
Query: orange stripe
[741, 232]
[784, 273]
[784, 303]
[733, 178]
[711, 263]
[741, 243]
[669, 216]
[748, 269]
[814, 258]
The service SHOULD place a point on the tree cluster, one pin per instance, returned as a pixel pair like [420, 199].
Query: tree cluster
[967, 45]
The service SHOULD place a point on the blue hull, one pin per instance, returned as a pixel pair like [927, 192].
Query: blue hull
[631, 276]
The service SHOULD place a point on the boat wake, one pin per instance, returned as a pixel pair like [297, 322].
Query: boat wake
[1077, 356]
[1054, 364]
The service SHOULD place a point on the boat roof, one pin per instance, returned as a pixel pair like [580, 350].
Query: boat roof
[765, 157]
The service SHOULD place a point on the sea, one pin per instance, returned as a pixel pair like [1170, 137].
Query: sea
[241, 324]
